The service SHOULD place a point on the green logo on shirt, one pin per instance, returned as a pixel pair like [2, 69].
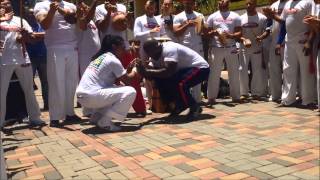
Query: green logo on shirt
[97, 62]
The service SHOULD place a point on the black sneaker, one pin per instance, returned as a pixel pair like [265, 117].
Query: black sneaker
[55, 123]
[73, 118]
[195, 111]
[176, 112]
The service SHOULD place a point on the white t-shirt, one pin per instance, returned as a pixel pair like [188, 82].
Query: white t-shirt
[182, 55]
[190, 38]
[253, 26]
[101, 73]
[88, 40]
[12, 52]
[101, 13]
[278, 8]
[60, 33]
[293, 13]
[224, 22]
[142, 27]
[165, 31]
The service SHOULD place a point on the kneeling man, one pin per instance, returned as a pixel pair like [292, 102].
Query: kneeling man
[175, 70]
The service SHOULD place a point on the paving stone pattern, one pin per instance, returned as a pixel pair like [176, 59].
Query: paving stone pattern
[256, 140]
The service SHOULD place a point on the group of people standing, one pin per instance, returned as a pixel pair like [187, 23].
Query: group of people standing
[278, 46]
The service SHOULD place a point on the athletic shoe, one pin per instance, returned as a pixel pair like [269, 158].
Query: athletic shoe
[195, 111]
[36, 122]
[176, 112]
[55, 123]
[111, 128]
[73, 118]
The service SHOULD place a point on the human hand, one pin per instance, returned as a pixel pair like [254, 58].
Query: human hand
[268, 12]
[155, 30]
[307, 48]
[277, 50]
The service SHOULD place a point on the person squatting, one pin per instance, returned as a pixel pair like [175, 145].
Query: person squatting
[103, 55]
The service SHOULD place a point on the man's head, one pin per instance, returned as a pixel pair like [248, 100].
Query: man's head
[251, 6]
[166, 7]
[113, 2]
[189, 5]
[150, 7]
[153, 49]
[6, 6]
[223, 5]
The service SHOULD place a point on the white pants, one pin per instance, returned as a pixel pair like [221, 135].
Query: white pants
[25, 77]
[216, 63]
[293, 63]
[318, 78]
[84, 61]
[63, 77]
[258, 82]
[113, 102]
[275, 73]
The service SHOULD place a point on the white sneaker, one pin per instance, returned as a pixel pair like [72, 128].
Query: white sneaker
[37, 122]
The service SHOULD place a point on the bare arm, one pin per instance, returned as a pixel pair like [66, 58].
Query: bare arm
[180, 29]
[45, 20]
[83, 21]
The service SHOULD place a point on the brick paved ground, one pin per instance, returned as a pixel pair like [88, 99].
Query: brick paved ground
[255, 140]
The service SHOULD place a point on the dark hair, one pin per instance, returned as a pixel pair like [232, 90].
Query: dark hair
[150, 45]
[107, 45]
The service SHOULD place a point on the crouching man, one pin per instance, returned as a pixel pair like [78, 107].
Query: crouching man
[175, 69]
[97, 89]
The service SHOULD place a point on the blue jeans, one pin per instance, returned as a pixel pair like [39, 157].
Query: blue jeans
[40, 64]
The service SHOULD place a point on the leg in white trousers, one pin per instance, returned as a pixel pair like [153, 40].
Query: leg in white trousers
[113, 102]
[216, 62]
[62, 67]
[25, 77]
[257, 84]
[84, 61]
[295, 61]
[275, 72]
[318, 78]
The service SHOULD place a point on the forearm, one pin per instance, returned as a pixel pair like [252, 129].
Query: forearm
[180, 29]
[277, 18]
[157, 73]
[46, 20]
[265, 34]
[103, 24]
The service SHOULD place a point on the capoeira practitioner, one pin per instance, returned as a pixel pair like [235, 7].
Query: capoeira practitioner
[314, 23]
[103, 18]
[225, 26]
[97, 91]
[14, 58]
[254, 28]
[147, 27]
[296, 57]
[166, 18]
[58, 19]
[88, 35]
[175, 69]
[275, 61]
[184, 25]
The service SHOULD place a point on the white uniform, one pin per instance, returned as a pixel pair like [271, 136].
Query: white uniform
[252, 26]
[101, 13]
[165, 31]
[294, 60]
[97, 91]
[10, 61]
[88, 45]
[317, 53]
[191, 39]
[142, 27]
[182, 55]
[275, 61]
[62, 61]
[224, 22]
